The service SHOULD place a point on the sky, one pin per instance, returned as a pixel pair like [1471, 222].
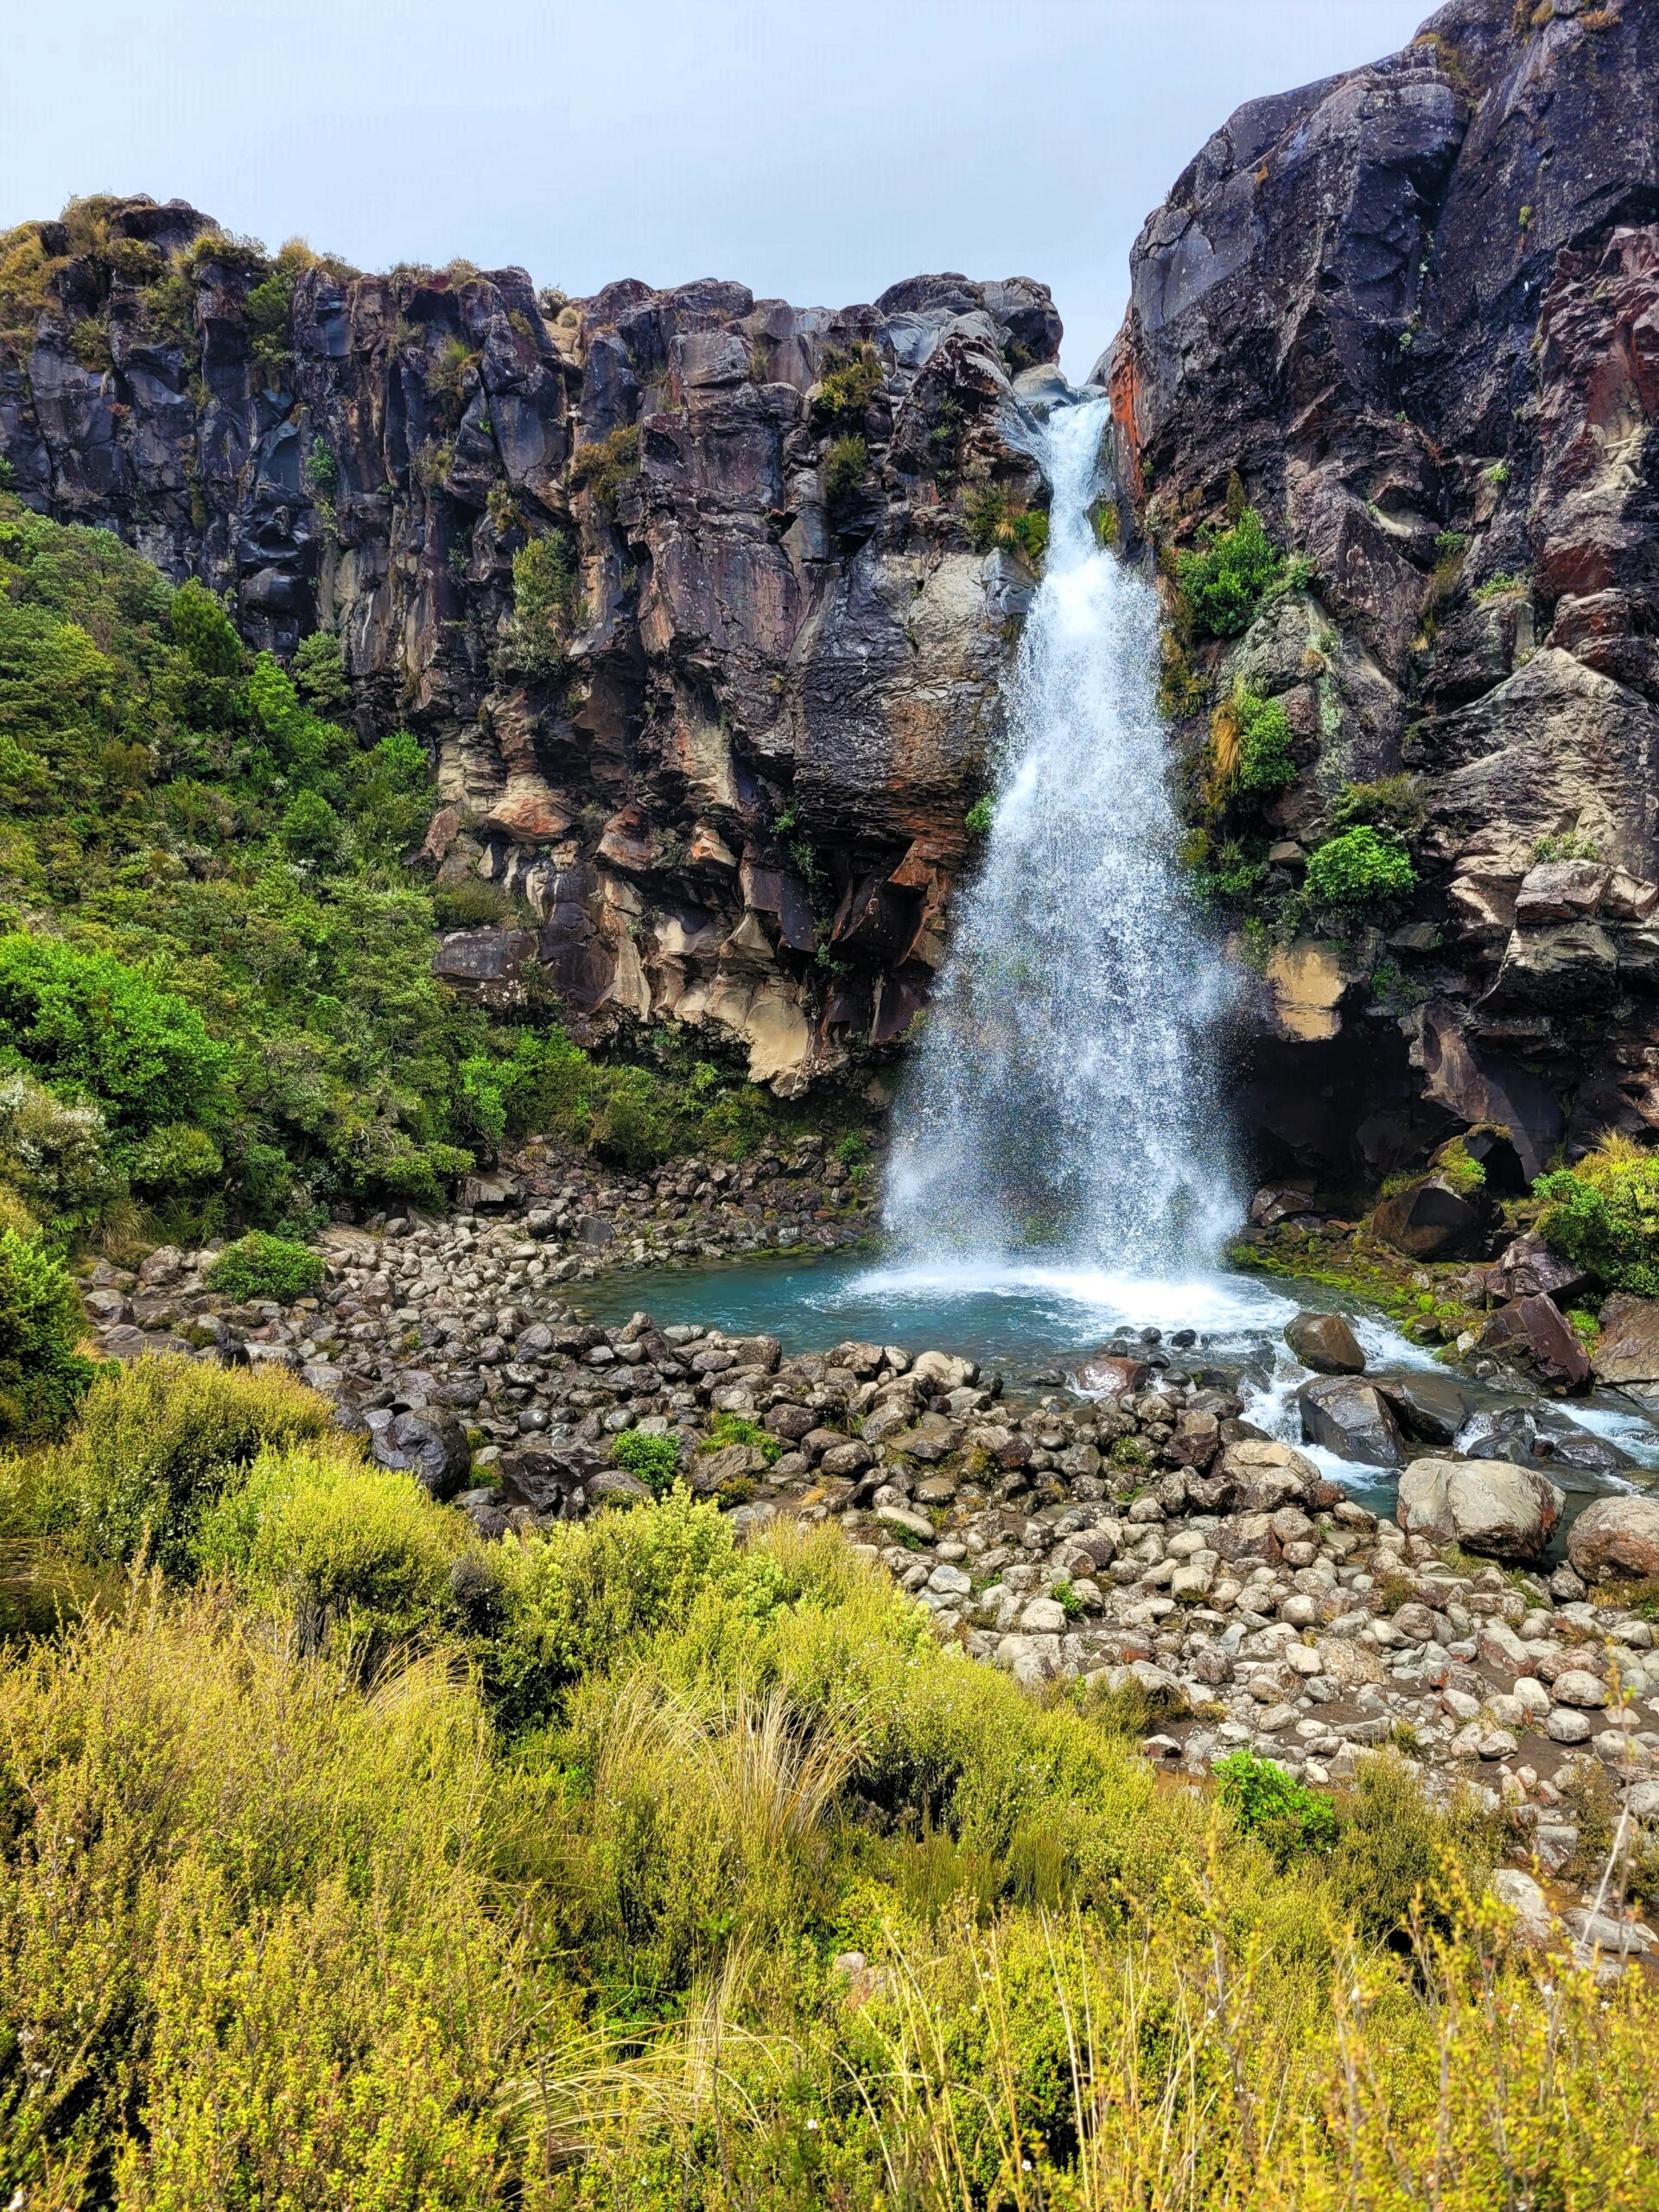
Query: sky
[817, 150]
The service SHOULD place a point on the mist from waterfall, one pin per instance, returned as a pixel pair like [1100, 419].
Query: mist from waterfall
[1062, 1100]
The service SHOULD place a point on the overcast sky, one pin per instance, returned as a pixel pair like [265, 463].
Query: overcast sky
[816, 149]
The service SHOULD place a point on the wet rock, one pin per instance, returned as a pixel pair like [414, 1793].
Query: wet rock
[552, 1478]
[1353, 1418]
[1325, 1343]
[1526, 1267]
[1616, 1536]
[1110, 1375]
[1430, 1407]
[1489, 1506]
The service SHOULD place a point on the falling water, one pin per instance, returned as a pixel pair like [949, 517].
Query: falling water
[1062, 1100]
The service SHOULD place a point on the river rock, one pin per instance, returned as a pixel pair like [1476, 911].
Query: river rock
[1489, 1506]
[1353, 1418]
[1110, 1375]
[1269, 1474]
[551, 1478]
[1627, 1351]
[1430, 1407]
[1325, 1343]
[1427, 1220]
[1536, 1329]
[430, 1445]
[1526, 1267]
[1616, 1536]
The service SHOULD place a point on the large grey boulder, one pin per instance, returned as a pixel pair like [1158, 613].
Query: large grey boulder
[1489, 1506]
[1627, 1350]
[1616, 1536]
[1353, 1418]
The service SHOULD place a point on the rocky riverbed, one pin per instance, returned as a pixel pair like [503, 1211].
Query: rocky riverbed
[1133, 1528]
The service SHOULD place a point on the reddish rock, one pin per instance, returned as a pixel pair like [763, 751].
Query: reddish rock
[1627, 1350]
[1427, 1220]
[1106, 1375]
[1535, 1329]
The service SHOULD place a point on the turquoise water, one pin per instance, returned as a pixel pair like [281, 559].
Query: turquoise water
[1017, 1318]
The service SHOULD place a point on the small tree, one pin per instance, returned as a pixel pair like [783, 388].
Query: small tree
[42, 1378]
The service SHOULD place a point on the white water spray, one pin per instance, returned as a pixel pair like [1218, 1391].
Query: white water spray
[1062, 1099]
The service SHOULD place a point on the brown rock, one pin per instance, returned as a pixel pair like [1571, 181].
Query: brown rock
[1426, 1220]
[1106, 1375]
[1325, 1343]
[1627, 1350]
[1616, 1536]
[1535, 1329]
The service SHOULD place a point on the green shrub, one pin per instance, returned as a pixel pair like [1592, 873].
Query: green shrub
[1225, 577]
[844, 468]
[158, 1442]
[1265, 764]
[1507, 584]
[1267, 1801]
[205, 631]
[312, 830]
[980, 816]
[56, 1157]
[319, 673]
[738, 1428]
[1602, 1214]
[1357, 870]
[547, 604]
[261, 1266]
[177, 1157]
[344, 1545]
[42, 1378]
[605, 466]
[849, 382]
[993, 521]
[91, 1025]
[1392, 803]
[654, 1459]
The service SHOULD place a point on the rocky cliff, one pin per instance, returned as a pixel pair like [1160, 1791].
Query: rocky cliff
[699, 602]
[1415, 310]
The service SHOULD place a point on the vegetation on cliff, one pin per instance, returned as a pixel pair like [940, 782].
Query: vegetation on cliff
[344, 1862]
[216, 997]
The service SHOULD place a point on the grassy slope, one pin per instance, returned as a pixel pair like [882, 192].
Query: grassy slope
[354, 1865]
[199, 815]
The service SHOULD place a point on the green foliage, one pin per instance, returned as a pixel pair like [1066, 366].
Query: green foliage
[1506, 584]
[1392, 803]
[738, 1428]
[200, 626]
[654, 1459]
[269, 306]
[1454, 1161]
[1225, 577]
[993, 521]
[449, 375]
[1358, 870]
[1267, 1801]
[547, 604]
[311, 831]
[1603, 1215]
[320, 674]
[980, 816]
[261, 1266]
[42, 1378]
[604, 466]
[94, 1028]
[157, 1444]
[849, 381]
[1265, 761]
[844, 468]
[1567, 845]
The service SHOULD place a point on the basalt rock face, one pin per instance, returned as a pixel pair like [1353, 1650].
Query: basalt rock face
[727, 774]
[1416, 308]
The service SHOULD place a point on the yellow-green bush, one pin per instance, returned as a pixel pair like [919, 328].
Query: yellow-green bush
[156, 1444]
[340, 1543]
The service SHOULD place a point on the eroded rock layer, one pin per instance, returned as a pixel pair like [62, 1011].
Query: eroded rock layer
[1415, 307]
[722, 749]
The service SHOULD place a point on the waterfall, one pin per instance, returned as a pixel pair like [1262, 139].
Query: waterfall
[1062, 1098]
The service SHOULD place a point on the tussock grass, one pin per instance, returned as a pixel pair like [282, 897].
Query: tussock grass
[345, 1863]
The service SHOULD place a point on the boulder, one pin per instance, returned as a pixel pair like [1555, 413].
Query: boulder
[1353, 1418]
[1526, 1266]
[430, 1445]
[1616, 1536]
[1110, 1375]
[1426, 1219]
[944, 1370]
[1535, 1329]
[1268, 1474]
[1325, 1343]
[1627, 1350]
[1489, 1506]
[1430, 1407]
[552, 1477]
[1277, 1202]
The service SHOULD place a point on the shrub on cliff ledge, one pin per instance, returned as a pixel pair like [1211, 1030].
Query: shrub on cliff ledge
[1225, 575]
[1603, 1215]
[1357, 871]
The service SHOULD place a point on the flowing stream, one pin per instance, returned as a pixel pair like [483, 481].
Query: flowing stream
[1061, 1101]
